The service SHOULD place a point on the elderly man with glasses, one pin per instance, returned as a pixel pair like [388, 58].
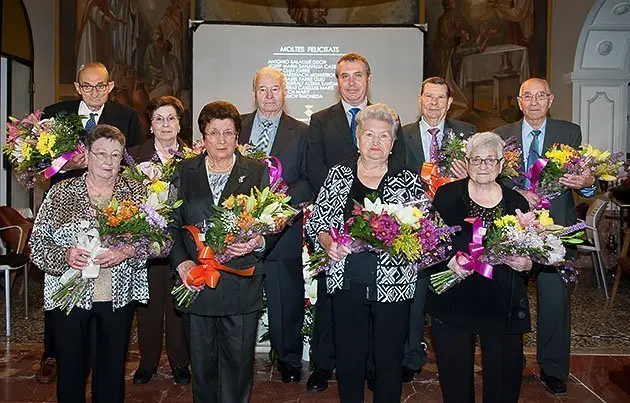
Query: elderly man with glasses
[94, 86]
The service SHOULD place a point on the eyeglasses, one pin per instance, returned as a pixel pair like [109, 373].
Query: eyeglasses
[540, 96]
[103, 156]
[89, 88]
[489, 162]
[214, 134]
[170, 119]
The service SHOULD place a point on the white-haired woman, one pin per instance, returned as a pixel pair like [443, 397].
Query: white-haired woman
[371, 292]
[494, 309]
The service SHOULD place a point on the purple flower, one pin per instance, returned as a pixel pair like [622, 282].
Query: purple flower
[385, 228]
[154, 218]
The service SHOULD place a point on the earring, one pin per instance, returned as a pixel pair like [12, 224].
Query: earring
[151, 130]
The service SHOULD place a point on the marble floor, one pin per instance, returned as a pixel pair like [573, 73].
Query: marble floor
[600, 347]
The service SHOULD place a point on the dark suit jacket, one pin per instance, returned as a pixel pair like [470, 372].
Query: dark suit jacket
[557, 131]
[330, 142]
[477, 304]
[414, 157]
[120, 116]
[289, 146]
[234, 294]
[146, 151]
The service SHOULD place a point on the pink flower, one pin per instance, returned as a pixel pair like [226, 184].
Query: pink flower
[527, 220]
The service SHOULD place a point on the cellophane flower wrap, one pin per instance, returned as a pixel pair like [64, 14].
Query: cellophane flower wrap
[143, 224]
[405, 230]
[533, 234]
[239, 219]
[563, 159]
[42, 147]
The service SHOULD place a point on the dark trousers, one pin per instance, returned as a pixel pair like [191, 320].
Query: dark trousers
[222, 357]
[322, 342]
[284, 287]
[553, 328]
[415, 347]
[49, 346]
[151, 318]
[354, 319]
[501, 360]
[73, 339]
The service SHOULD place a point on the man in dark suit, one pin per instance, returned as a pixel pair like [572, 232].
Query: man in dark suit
[332, 139]
[275, 133]
[93, 86]
[423, 139]
[536, 133]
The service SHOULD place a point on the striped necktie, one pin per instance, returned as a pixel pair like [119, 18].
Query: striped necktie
[353, 123]
[91, 122]
[263, 141]
[434, 149]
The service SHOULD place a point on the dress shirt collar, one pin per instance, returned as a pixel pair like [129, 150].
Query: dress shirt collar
[260, 119]
[85, 111]
[347, 107]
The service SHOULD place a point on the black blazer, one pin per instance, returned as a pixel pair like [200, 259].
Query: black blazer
[330, 142]
[477, 304]
[234, 294]
[414, 156]
[289, 146]
[146, 151]
[558, 131]
[120, 116]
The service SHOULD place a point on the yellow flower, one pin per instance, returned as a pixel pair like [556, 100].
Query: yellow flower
[417, 213]
[561, 157]
[544, 218]
[229, 202]
[158, 186]
[507, 221]
[27, 150]
[45, 143]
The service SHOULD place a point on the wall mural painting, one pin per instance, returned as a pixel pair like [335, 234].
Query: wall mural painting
[485, 49]
[143, 43]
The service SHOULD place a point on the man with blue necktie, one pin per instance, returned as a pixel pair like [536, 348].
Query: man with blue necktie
[93, 86]
[275, 133]
[536, 133]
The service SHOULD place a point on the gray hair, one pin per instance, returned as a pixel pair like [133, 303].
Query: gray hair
[86, 66]
[271, 70]
[103, 131]
[380, 112]
[485, 140]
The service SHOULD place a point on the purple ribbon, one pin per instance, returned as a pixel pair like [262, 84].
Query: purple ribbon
[275, 173]
[59, 162]
[340, 237]
[476, 249]
[534, 181]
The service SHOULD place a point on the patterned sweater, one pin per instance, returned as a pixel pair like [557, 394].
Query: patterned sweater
[395, 278]
[58, 221]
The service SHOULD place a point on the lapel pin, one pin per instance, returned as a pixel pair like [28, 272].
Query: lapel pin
[240, 180]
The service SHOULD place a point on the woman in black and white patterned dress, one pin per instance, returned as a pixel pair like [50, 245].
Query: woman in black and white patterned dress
[371, 292]
[106, 311]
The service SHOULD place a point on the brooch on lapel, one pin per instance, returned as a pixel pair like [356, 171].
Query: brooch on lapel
[241, 179]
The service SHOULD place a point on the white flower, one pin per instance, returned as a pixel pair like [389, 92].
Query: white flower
[157, 200]
[375, 207]
[407, 215]
[310, 291]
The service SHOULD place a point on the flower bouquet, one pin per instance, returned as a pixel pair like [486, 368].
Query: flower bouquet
[43, 147]
[532, 234]
[75, 283]
[512, 159]
[562, 159]
[400, 230]
[238, 219]
[436, 174]
[250, 151]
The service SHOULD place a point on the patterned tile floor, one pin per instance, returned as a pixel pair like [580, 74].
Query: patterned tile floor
[600, 347]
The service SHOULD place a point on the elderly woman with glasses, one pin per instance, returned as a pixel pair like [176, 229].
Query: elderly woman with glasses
[222, 321]
[105, 313]
[159, 315]
[494, 309]
[371, 291]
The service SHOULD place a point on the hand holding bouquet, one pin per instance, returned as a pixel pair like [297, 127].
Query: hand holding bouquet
[43, 147]
[237, 220]
[532, 235]
[400, 230]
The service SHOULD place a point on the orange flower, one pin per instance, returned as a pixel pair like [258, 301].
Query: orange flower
[245, 220]
[229, 239]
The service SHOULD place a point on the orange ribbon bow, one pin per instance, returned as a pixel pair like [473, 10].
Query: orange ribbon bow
[208, 272]
[430, 174]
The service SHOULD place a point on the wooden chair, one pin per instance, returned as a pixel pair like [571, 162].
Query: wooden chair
[623, 265]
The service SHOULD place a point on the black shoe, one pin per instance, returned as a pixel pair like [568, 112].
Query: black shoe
[181, 376]
[553, 384]
[143, 376]
[289, 373]
[318, 380]
[370, 378]
[408, 374]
